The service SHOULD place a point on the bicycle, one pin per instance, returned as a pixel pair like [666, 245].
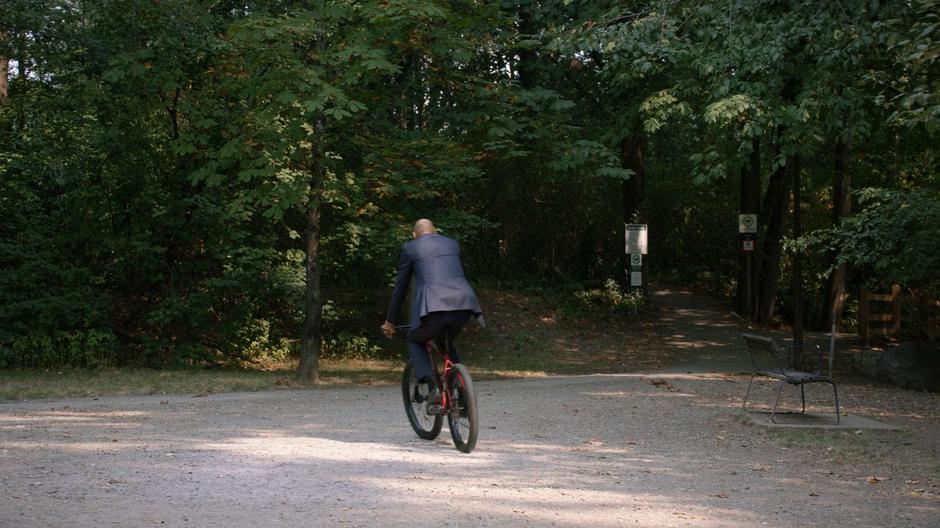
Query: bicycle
[458, 400]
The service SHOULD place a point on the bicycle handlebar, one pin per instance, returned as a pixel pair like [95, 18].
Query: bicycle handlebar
[398, 328]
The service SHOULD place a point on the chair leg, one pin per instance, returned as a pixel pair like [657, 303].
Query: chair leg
[835, 391]
[773, 411]
[746, 394]
[803, 397]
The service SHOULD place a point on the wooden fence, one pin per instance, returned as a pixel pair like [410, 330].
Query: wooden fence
[879, 314]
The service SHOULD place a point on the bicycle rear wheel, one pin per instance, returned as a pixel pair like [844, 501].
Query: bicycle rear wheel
[462, 417]
[426, 427]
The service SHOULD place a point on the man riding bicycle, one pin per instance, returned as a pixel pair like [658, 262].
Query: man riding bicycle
[442, 297]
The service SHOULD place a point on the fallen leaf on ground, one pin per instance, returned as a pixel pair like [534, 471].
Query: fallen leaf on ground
[665, 384]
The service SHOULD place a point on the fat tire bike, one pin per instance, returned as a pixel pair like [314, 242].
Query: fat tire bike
[458, 400]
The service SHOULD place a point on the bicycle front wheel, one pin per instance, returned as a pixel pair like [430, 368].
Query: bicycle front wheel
[426, 427]
[462, 416]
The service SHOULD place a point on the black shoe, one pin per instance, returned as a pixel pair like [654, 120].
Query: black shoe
[429, 387]
[417, 397]
[433, 407]
[434, 396]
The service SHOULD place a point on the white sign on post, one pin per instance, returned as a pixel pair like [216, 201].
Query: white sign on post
[636, 278]
[636, 260]
[747, 223]
[636, 238]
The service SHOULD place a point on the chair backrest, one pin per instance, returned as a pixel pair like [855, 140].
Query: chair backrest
[764, 352]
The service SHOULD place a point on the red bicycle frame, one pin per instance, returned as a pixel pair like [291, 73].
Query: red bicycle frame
[433, 349]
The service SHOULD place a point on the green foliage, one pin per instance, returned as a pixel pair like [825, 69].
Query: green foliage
[349, 346]
[51, 349]
[158, 160]
[893, 238]
[613, 297]
[162, 156]
[911, 89]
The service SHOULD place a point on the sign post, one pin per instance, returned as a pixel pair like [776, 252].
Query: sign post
[636, 247]
[747, 226]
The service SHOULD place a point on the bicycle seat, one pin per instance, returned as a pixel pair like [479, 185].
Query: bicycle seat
[444, 337]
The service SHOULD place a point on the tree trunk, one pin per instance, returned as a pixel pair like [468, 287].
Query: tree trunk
[632, 149]
[528, 71]
[841, 207]
[631, 156]
[772, 215]
[797, 278]
[750, 204]
[4, 71]
[21, 74]
[309, 369]
[772, 212]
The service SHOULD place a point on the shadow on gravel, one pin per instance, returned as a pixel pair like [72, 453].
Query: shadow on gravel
[660, 448]
[640, 449]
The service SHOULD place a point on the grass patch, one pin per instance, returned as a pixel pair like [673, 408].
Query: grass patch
[843, 447]
[536, 332]
[33, 384]
[531, 332]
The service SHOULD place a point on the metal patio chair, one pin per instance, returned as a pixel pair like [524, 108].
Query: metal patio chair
[773, 360]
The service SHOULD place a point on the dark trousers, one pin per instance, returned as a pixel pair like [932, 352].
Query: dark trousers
[434, 326]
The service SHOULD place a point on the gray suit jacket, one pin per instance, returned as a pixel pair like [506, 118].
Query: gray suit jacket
[440, 285]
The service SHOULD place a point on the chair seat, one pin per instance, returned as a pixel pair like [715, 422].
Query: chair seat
[795, 377]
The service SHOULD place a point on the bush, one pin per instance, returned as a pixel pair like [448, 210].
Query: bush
[90, 348]
[349, 346]
[612, 296]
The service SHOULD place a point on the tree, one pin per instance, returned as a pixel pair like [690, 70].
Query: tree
[892, 238]
[910, 87]
[340, 107]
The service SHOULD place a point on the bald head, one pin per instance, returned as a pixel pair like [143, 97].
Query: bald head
[423, 227]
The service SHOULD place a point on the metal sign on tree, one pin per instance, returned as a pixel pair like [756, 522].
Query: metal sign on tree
[636, 247]
[747, 223]
[636, 238]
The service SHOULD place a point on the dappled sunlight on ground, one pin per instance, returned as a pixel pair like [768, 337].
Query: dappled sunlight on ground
[276, 446]
[521, 332]
[656, 439]
[652, 449]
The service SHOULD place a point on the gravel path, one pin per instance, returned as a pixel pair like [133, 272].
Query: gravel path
[658, 449]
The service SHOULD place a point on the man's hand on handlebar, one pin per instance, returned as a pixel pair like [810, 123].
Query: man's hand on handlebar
[388, 329]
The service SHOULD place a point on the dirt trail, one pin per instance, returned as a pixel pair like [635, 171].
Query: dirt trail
[602, 450]
[700, 338]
